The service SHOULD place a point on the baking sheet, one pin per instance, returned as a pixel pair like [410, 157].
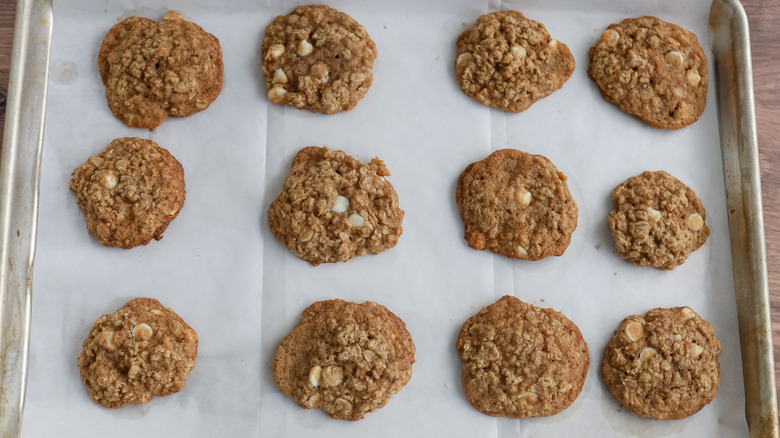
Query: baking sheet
[222, 271]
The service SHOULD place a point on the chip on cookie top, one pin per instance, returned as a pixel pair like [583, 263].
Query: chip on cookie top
[317, 58]
[333, 208]
[155, 69]
[653, 70]
[516, 204]
[663, 365]
[140, 351]
[508, 61]
[345, 358]
[657, 220]
[521, 361]
[129, 192]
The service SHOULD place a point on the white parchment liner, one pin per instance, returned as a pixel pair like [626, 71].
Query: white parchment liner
[219, 267]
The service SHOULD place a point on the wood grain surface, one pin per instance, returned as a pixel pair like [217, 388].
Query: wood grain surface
[763, 15]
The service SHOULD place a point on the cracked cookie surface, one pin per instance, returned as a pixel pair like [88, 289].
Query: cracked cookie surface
[653, 70]
[521, 361]
[657, 220]
[129, 192]
[317, 58]
[141, 351]
[508, 61]
[155, 69]
[345, 358]
[516, 204]
[333, 208]
[663, 365]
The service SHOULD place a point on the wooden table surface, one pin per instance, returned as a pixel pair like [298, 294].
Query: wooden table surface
[764, 16]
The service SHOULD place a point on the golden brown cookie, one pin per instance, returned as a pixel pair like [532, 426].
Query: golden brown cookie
[129, 192]
[333, 208]
[654, 70]
[317, 58]
[516, 204]
[508, 61]
[155, 69]
[521, 361]
[344, 358]
[140, 351]
[657, 220]
[664, 364]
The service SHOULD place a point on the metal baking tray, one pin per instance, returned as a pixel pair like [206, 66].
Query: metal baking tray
[20, 178]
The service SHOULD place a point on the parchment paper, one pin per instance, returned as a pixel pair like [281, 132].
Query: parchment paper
[219, 267]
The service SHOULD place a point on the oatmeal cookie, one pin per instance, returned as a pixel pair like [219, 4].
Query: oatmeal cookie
[345, 358]
[516, 204]
[653, 70]
[521, 361]
[663, 364]
[317, 58]
[657, 220]
[508, 61]
[140, 351]
[155, 69]
[130, 192]
[333, 208]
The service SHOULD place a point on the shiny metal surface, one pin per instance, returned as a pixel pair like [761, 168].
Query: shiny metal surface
[739, 146]
[19, 183]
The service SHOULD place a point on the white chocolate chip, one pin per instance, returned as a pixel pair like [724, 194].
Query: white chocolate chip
[697, 349]
[314, 376]
[647, 354]
[341, 205]
[276, 94]
[356, 220]
[693, 77]
[677, 337]
[518, 51]
[522, 251]
[279, 77]
[142, 332]
[674, 58]
[653, 214]
[275, 51]
[306, 235]
[109, 181]
[305, 48]
[523, 196]
[610, 37]
[553, 44]
[633, 331]
[695, 222]
[332, 376]
[688, 313]
[465, 57]
[528, 397]
[565, 388]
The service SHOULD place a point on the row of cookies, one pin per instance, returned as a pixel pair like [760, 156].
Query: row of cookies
[321, 59]
[348, 359]
[333, 208]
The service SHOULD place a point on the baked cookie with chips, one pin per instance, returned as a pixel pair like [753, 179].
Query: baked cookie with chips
[508, 61]
[317, 58]
[155, 69]
[345, 358]
[657, 220]
[521, 361]
[663, 364]
[141, 351]
[653, 70]
[333, 208]
[129, 192]
[516, 204]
